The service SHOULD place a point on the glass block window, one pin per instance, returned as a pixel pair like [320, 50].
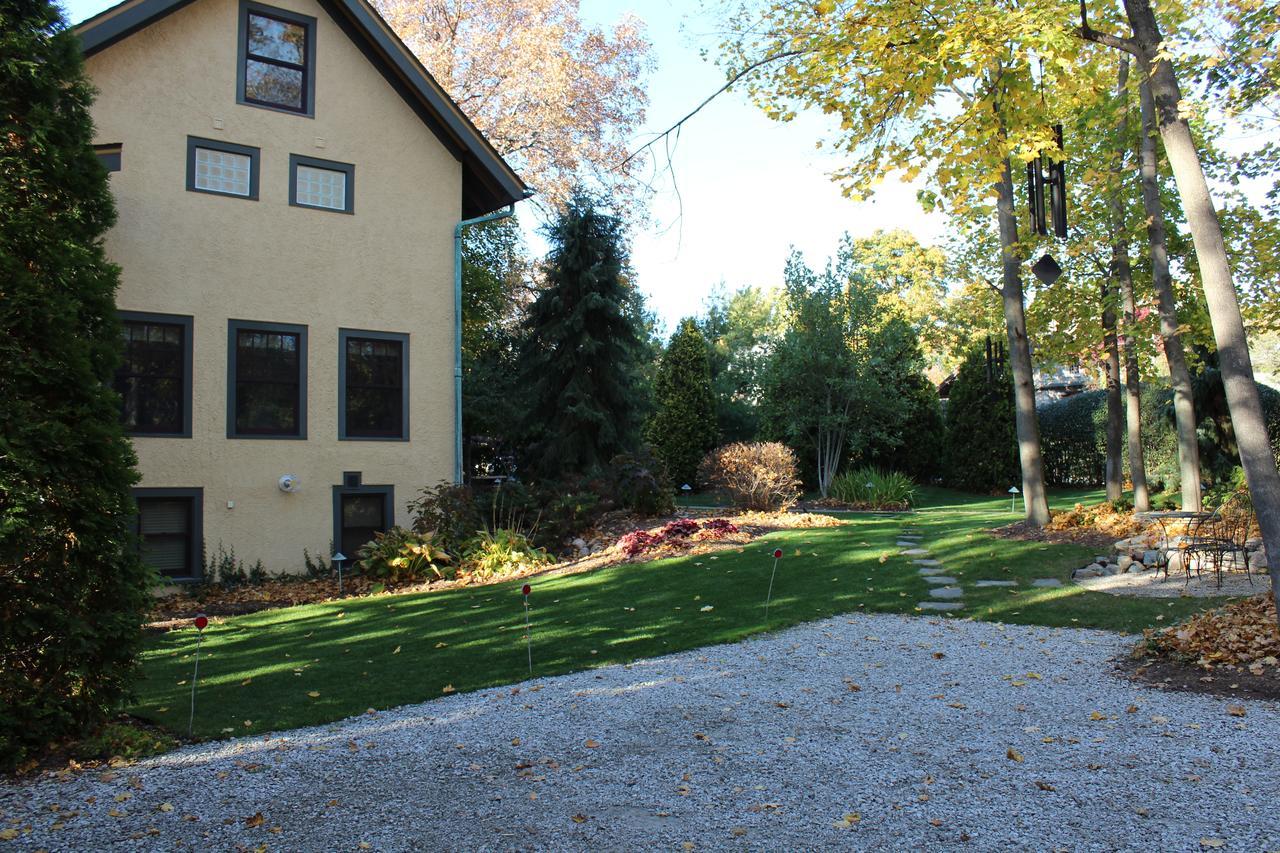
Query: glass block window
[222, 168]
[277, 58]
[223, 172]
[321, 183]
[322, 187]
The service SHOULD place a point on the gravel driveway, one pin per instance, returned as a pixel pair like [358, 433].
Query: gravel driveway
[857, 732]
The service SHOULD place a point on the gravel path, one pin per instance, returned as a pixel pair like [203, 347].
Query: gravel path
[857, 732]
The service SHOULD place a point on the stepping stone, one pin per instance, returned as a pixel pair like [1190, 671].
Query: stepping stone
[905, 535]
[1046, 582]
[995, 583]
[927, 562]
[939, 605]
[941, 579]
[947, 592]
[931, 572]
[903, 543]
[915, 552]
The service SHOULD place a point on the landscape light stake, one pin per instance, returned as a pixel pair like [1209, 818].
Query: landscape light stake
[338, 558]
[1013, 498]
[528, 636]
[201, 622]
[777, 555]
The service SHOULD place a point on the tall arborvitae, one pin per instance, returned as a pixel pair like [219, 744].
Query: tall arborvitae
[982, 440]
[72, 589]
[581, 355]
[684, 427]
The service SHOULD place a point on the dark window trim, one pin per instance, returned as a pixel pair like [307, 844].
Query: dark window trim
[195, 556]
[109, 155]
[389, 510]
[343, 335]
[242, 56]
[254, 155]
[187, 323]
[234, 326]
[296, 160]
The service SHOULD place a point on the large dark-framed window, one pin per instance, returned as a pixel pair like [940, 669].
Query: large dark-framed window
[222, 168]
[373, 385]
[321, 184]
[170, 529]
[266, 380]
[276, 64]
[358, 513]
[154, 376]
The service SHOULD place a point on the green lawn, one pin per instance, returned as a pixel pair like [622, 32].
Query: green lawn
[313, 664]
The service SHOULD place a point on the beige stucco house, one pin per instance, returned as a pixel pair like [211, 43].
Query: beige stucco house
[289, 182]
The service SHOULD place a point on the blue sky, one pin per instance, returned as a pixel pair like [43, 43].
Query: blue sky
[749, 188]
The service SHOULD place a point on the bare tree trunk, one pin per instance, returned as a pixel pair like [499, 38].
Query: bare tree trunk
[1024, 392]
[1122, 283]
[1184, 409]
[1219, 289]
[1115, 415]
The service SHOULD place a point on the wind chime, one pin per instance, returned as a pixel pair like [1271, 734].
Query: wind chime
[1046, 173]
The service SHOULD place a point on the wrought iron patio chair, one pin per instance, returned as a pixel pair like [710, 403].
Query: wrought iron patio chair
[1217, 539]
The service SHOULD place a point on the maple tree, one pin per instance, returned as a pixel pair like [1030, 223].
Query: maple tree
[558, 98]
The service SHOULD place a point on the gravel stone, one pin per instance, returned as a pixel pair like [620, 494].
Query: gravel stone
[763, 744]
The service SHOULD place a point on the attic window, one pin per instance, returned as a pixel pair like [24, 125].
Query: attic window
[277, 59]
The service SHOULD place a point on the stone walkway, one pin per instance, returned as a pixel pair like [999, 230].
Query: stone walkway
[946, 593]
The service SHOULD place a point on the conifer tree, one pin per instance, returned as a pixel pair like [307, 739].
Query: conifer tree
[982, 441]
[684, 427]
[581, 357]
[72, 588]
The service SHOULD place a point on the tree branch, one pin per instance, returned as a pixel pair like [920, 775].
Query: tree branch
[717, 93]
[1088, 33]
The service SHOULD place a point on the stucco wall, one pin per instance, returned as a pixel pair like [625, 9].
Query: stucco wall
[388, 267]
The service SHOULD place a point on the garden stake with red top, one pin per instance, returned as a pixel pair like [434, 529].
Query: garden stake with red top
[777, 555]
[201, 622]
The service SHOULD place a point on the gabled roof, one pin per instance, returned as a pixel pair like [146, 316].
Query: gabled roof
[488, 183]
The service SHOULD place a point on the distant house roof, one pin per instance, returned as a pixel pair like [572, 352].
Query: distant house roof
[488, 183]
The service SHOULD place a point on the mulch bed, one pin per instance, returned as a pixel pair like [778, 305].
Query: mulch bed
[1164, 673]
[1099, 541]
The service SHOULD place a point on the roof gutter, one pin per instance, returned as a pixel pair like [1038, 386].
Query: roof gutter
[457, 331]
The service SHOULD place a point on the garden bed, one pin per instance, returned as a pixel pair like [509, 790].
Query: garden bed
[601, 543]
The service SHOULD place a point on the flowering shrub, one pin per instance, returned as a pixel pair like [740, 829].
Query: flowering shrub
[678, 532]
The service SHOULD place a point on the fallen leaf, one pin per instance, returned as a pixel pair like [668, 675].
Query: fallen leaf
[314, 694]
[166, 807]
[579, 818]
[591, 744]
[515, 741]
[1236, 710]
[1212, 842]
[448, 688]
[738, 831]
[1044, 786]
[396, 650]
[253, 820]
[706, 608]
[1013, 754]
[1097, 715]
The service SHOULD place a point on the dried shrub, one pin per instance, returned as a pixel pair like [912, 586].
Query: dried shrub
[1242, 634]
[1102, 517]
[758, 475]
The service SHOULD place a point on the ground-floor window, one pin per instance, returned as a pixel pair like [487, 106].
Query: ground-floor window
[170, 531]
[360, 512]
